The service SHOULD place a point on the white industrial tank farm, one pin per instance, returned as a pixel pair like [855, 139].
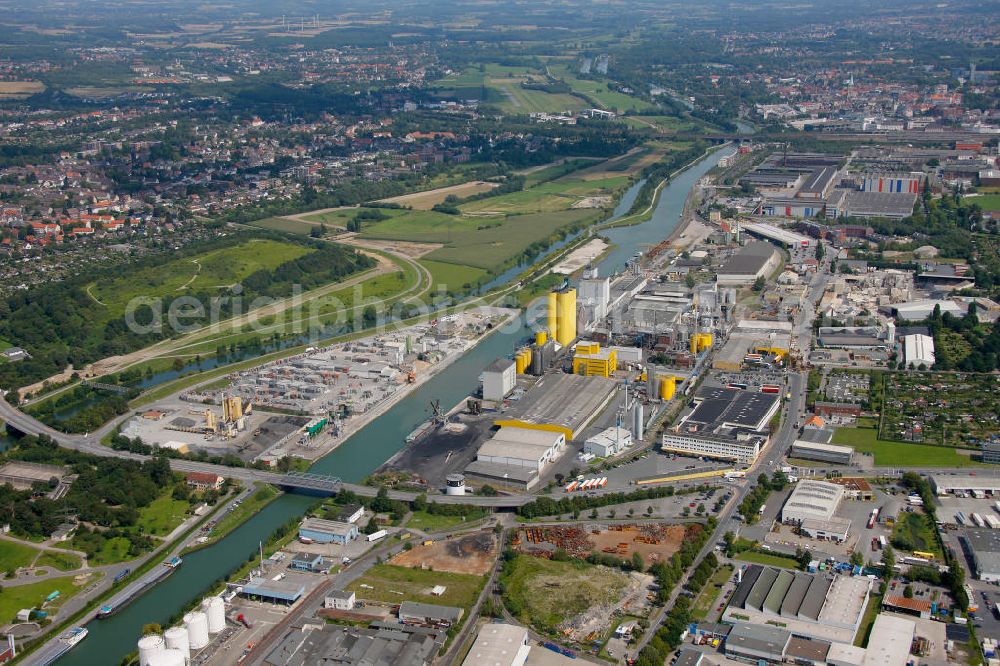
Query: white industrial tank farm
[149, 646]
[215, 610]
[177, 639]
[197, 628]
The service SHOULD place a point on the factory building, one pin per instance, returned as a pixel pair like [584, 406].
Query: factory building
[918, 350]
[757, 644]
[593, 296]
[812, 500]
[777, 235]
[758, 259]
[428, 615]
[561, 402]
[609, 442]
[499, 644]
[332, 645]
[522, 447]
[818, 606]
[285, 591]
[327, 531]
[499, 379]
[983, 545]
[592, 361]
[943, 485]
[890, 641]
[922, 309]
[728, 424]
[831, 453]
[911, 183]
[818, 184]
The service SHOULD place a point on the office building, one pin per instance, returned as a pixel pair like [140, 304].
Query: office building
[831, 453]
[727, 424]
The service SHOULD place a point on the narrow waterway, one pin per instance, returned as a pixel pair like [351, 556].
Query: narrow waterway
[362, 453]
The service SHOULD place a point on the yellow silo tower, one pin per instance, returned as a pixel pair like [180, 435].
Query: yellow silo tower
[541, 337]
[668, 385]
[566, 331]
[553, 315]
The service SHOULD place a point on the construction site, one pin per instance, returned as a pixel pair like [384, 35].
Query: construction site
[472, 554]
[654, 542]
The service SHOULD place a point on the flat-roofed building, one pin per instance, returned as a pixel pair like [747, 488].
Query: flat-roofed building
[728, 424]
[944, 484]
[757, 259]
[524, 447]
[810, 499]
[890, 641]
[831, 453]
[807, 651]
[499, 379]
[845, 654]
[561, 402]
[608, 442]
[499, 644]
[834, 529]
[428, 615]
[983, 544]
[757, 644]
[327, 531]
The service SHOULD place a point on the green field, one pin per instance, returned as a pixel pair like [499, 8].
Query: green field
[598, 91]
[544, 593]
[203, 272]
[14, 598]
[502, 85]
[284, 225]
[451, 277]
[340, 217]
[917, 530]
[415, 585]
[704, 605]
[485, 243]
[61, 561]
[768, 559]
[986, 201]
[14, 555]
[162, 515]
[900, 454]
[112, 551]
[429, 522]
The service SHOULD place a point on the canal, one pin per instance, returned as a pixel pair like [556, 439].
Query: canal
[362, 453]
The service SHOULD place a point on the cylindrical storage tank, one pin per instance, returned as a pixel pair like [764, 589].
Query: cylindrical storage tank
[667, 387]
[215, 609]
[527, 358]
[694, 343]
[518, 363]
[652, 384]
[197, 627]
[455, 484]
[168, 658]
[177, 639]
[638, 422]
[567, 316]
[552, 315]
[149, 646]
[541, 337]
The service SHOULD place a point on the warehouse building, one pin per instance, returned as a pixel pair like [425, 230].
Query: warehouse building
[892, 205]
[918, 350]
[334, 645]
[757, 259]
[561, 402]
[757, 644]
[499, 644]
[429, 615]
[820, 606]
[286, 591]
[944, 484]
[609, 442]
[831, 453]
[782, 237]
[593, 361]
[991, 453]
[922, 309]
[327, 531]
[810, 499]
[983, 546]
[522, 447]
[834, 529]
[499, 379]
[727, 424]
[890, 641]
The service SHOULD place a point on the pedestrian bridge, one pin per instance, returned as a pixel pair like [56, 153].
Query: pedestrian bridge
[307, 482]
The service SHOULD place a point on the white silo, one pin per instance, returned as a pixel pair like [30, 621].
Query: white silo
[197, 627]
[148, 646]
[167, 658]
[215, 609]
[177, 639]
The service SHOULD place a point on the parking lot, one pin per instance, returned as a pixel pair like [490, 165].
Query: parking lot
[951, 506]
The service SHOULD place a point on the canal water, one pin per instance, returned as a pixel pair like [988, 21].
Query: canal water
[362, 453]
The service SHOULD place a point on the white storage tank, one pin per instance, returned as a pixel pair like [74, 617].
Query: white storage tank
[148, 646]
[177, 639]
[167, 658]
[196, 624]
[456, 484]
[215, 609]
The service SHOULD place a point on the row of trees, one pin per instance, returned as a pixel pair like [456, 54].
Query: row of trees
[546, 506]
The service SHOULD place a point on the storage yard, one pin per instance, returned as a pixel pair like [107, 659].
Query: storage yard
[473, 554]
[654, 542]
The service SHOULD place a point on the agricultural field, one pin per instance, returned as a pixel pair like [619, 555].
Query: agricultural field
[33, 595]
[430, 198]
[392, 584]
[501, 85]
[547, 594]
[20, 89]
[451, 277]
[285, 225]
[204, 272]
[899, 454]
[940, 408]
[664, 123]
